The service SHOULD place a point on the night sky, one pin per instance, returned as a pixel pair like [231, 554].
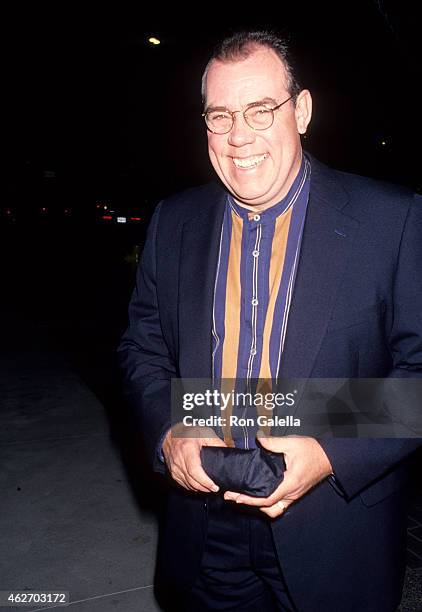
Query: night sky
[89, 99]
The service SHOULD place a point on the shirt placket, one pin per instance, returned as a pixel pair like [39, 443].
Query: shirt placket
[254, 306]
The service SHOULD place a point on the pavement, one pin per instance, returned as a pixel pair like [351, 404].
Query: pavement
[71, 518]
[77, 512]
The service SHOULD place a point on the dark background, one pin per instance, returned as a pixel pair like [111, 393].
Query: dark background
[89, 98]
[95, 116]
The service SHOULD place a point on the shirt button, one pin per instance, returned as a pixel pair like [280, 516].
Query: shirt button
[256, 217]
[252, 351]
[255, 253]
[254, 302]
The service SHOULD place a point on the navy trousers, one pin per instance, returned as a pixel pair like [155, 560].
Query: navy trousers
[240, 569]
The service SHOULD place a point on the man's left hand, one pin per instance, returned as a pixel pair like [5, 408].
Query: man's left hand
[306, 465]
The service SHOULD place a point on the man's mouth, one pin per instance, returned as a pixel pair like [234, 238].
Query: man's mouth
[249, 162]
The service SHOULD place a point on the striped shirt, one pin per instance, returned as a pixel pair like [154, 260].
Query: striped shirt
[257, 264]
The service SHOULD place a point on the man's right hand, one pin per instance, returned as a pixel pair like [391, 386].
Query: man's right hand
[182, 455]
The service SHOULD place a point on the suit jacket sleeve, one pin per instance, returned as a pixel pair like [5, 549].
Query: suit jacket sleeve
[144, 356]
[359, 463]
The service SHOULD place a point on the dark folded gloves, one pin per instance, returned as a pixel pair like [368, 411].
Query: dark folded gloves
[254, 472]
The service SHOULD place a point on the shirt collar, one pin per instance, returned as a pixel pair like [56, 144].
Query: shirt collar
[276, 209]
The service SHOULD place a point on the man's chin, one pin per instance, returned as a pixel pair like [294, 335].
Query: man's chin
[251, 200]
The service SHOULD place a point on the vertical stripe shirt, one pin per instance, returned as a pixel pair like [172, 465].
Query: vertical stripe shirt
[257, 264]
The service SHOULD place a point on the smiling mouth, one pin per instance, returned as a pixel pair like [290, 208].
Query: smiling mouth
[249, 162]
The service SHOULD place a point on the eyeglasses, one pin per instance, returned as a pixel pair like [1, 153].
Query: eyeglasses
[258, 116]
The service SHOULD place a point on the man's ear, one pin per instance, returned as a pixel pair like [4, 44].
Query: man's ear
[303, 110]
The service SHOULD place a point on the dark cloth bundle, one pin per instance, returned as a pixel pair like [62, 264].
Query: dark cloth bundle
[254, 472]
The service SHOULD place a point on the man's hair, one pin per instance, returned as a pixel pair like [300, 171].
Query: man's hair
[241, 45]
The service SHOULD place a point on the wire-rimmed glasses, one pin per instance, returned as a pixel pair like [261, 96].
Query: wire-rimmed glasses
[258, 116]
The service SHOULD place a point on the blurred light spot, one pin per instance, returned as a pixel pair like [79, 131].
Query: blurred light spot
[384, 143]
[153, 40]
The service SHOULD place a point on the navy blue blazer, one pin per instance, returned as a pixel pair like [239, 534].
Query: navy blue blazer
[356, 312]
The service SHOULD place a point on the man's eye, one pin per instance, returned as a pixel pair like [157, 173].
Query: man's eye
[259, 112]
[219, 116]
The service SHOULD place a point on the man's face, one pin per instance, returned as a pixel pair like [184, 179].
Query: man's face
[257, 167]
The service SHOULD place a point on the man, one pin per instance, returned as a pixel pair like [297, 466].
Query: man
[287, 269]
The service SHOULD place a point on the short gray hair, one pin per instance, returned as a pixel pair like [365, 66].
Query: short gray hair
[242, 44]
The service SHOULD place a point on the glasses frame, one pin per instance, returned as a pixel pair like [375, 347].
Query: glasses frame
[232, 113]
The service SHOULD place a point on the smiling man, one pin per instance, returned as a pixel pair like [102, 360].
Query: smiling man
[258, 165]
[285, 269]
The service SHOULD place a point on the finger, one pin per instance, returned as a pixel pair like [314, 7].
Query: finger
[185, 480]
[181, 480]
[241, 498]
[277, 509]
[177, 467]
[197, 476]
[197, 486]
[231, 495]
[284, 490]
[187, 464]
[207, 486]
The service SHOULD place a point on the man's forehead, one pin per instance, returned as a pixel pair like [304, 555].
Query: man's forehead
[243, 91]
[261, 74]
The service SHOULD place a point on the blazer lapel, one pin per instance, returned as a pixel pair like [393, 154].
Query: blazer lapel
[198, 263]
[326, 246]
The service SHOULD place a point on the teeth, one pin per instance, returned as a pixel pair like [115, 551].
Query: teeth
[249, 162]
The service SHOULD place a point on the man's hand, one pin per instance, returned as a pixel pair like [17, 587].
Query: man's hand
[306, 465]
[183, 458]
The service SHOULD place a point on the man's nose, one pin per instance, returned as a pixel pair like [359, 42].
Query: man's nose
[241, 133]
